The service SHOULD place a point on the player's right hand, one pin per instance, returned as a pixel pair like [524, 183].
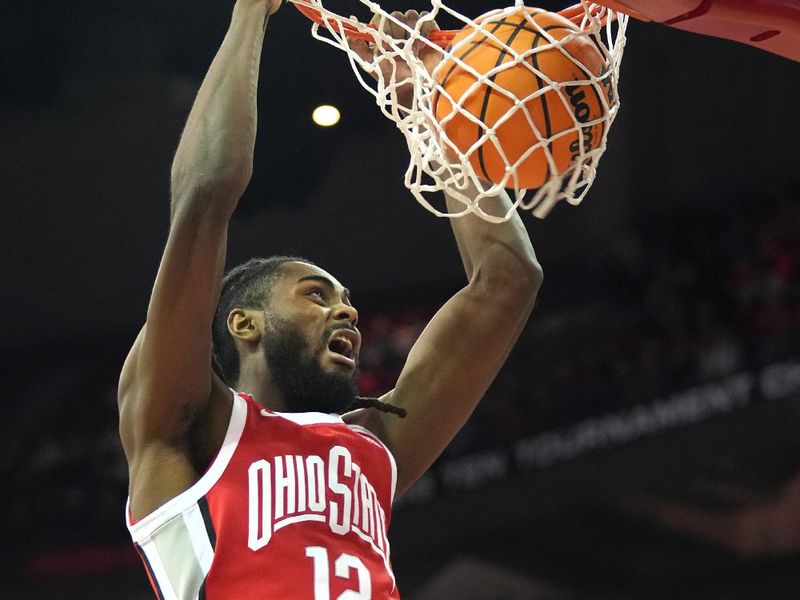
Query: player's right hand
[398, 27]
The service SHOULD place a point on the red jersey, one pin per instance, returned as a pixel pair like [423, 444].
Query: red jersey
[295, 505]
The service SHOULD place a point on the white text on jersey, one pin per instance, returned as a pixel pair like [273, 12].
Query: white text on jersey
[291, 489]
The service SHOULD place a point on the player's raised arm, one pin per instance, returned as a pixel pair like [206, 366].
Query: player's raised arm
[167, 378]
[462, 349]
[464, 346]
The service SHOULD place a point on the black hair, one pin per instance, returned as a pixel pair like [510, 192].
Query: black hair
[249, 286]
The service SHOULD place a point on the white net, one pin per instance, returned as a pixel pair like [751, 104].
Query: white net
[519, 99]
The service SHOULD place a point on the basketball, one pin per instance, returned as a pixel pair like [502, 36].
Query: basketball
[523, 62]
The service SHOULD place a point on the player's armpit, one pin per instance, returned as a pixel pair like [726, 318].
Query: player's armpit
[452, 365]
[168, 439]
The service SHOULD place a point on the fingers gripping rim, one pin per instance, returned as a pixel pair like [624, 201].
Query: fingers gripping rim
[437, 163]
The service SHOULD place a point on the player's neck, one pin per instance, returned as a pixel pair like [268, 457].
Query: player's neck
[259, 385]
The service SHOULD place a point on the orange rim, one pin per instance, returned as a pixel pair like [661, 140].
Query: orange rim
[440, 37]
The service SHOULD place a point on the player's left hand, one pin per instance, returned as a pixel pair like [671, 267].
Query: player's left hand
[370, 52]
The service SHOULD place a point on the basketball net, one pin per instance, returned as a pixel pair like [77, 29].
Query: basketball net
[436, 164]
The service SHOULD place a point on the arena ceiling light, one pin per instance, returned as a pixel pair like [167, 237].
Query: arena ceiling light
[326, 115]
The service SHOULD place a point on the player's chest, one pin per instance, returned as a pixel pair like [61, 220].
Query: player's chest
[285, 477]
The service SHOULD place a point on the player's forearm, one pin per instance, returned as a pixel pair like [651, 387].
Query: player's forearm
[214, 160]
[500, 250]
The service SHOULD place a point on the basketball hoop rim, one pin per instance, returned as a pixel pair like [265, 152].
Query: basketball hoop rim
[356, 30]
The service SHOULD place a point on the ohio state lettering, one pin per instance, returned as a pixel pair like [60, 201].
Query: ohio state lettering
[291, 489]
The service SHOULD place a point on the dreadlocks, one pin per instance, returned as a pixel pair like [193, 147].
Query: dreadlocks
[361, 402]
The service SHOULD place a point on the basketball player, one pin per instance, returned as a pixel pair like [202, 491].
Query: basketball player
[267, 492]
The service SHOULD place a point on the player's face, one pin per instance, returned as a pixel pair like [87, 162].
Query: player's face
[311, 341]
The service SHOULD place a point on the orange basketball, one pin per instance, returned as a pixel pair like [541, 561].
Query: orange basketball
[550, 113]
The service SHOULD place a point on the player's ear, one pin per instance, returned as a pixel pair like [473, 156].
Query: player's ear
[245, 325]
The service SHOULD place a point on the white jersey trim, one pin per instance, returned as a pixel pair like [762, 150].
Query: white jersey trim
[198, 535]
[159, 572]
[144, 528]
[307, 418]
[379, 441]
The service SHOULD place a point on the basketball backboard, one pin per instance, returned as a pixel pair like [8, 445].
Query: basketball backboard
[772, 25]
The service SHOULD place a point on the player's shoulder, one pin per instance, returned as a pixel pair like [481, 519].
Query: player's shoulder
[360, 417]
[369, 419]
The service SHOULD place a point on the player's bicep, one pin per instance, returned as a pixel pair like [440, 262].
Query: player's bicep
[449, 370]
[168, 372]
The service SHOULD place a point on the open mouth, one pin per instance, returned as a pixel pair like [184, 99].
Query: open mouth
[344, 344]
[341, 346]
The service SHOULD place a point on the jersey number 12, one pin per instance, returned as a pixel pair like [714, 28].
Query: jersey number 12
[341, 569]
